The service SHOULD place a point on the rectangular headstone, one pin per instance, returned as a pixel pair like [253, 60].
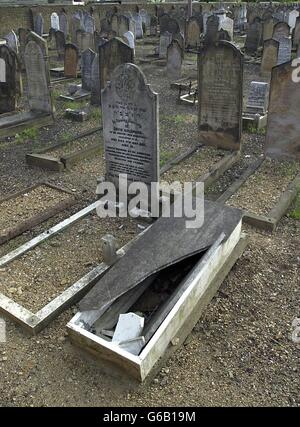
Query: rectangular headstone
[257, 100]
[269, 56]
[130, 127]
[283, 125]
[284, 50]
[220, 88]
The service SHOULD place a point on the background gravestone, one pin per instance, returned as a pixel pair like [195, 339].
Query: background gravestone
[280, 29]
[212, 26]
[220, 97]
[54, 21]
[111, 54]
[296, 36]
[254, 36]
[131, 140]
[193, 32]
[129, 39]
[12, 41]
[138, 26]
[95, 82]
[71, 60]
[283, 125]
[153, 25]
[87, 59]
[60, 40]
[284, 50]
[174, 60]
[37, 72]
[8, 80]
[38, 24]
[269, 56]
[63, 24]
[257, 100]
[268, 27]
[164, 41]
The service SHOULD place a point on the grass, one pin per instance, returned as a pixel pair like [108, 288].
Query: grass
[29, 134]
[288, 168]
[253, 130]
[96, 114]
[295, 214]
[165, 156]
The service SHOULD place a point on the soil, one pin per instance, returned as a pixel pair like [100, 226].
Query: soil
[240, 352]
[262, 190]
[27, 205]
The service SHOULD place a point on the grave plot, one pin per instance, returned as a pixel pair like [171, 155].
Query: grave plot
[67, 153]
[43, 278]
[169, 291]
[264, 191]
[26, 209]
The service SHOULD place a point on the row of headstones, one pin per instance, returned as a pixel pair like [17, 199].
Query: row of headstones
[260, 31]
[37, 76]
[219, 109]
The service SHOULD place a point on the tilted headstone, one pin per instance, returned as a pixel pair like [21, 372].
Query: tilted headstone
[164, 41]
[257, 100]
[71, 60]
[193, 33]
[130, 127]
[111, 54]
[87, 58]
[283, 125]
[8, 79]
[54, 19]
[268, 27]
[38, 24]
[60, 40]
[63, 24]
[254, 36]
[12, 41]
[269, 56]
[95, 82]
[220, 99]
[284, 50]
[37, 72]
[174, 60]
[281, 29]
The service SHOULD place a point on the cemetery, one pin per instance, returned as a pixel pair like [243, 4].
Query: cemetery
[107, 112]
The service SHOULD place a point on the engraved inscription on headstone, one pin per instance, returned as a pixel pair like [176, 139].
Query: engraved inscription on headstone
[257, 100]
[130, 127]
[37, 72]
[220, 95]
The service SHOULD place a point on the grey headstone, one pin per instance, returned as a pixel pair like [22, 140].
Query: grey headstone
[37, 72]
[164, 41]
[281, 29]
[257, 100]
[283, 126]
[193, 32]
[254, 36]
[138, 26]
[131, 140]
[38, 24]
[54, 21]
[95, 82]
[60, 40]
[220, 87]
[87, 58]
[284, 50]
[174, 60]
[63, 24]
